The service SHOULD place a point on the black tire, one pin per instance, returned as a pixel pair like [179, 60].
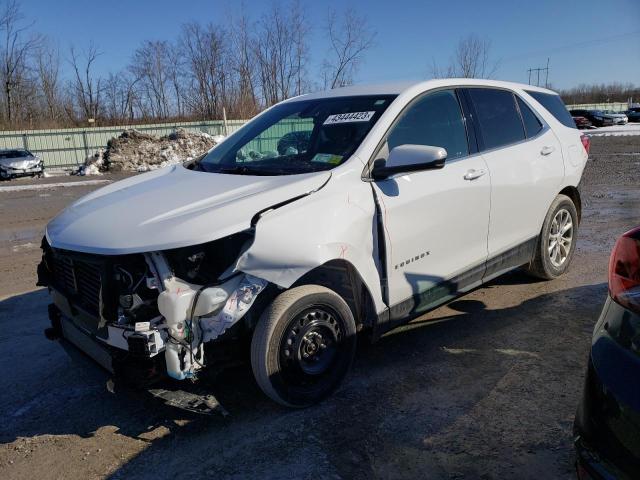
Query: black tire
[542, 265]
[303, 345]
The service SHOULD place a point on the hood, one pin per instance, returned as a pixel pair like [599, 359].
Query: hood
[20, 162]
[171, 207]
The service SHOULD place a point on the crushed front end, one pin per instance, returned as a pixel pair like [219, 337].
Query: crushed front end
[148, 316]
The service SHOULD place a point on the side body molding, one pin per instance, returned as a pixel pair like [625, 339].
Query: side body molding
[336, 222]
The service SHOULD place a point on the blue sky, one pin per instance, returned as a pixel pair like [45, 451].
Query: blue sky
[587, 41]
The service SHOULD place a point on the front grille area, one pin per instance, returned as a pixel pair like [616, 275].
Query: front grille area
[80, 279]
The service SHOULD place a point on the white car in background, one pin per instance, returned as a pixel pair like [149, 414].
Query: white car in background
[619, 118]
[328, 214]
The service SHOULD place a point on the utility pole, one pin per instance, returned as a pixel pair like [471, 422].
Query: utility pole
[537, 72]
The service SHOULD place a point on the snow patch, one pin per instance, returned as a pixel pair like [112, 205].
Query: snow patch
[135, 151]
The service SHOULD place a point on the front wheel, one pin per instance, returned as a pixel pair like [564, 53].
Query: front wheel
[557, 241]
[303, 345]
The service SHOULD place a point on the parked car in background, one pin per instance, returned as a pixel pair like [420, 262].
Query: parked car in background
[19, 162]
[461, 179]
[619, 118]
[596, 117]
[607, 424]
[582, 122]
[633, 114]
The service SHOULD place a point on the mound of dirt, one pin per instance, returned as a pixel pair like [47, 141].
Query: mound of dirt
[135, 151]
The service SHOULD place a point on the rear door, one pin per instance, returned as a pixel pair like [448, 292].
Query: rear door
[525, 161]
[435, 221]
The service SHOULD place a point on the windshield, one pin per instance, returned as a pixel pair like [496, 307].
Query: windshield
[298, 137]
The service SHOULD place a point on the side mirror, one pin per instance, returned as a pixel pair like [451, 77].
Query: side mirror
[409, 158]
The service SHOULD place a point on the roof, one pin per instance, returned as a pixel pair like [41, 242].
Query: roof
[396, 88]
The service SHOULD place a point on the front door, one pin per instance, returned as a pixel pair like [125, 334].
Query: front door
[435, 221]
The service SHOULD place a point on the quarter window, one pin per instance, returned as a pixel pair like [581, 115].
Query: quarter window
[500, 123]
[554, 104]
[435, 119]
[532, 125]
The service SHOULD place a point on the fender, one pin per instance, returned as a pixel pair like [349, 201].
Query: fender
[335, 222]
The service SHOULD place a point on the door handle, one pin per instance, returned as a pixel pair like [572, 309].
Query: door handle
[547, 149]
[473, 174]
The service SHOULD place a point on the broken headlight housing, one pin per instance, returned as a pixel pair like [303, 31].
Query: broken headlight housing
[204, 264]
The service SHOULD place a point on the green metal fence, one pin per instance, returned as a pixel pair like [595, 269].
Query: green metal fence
[613, 106]
[68, 148]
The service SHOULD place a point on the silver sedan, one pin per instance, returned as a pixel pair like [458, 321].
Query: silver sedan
[18, 163]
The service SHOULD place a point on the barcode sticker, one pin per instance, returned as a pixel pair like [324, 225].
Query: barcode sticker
[142, 326]
[349, 117]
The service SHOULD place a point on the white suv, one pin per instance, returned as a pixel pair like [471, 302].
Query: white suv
[328, 214]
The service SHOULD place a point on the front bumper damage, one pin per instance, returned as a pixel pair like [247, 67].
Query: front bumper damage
[21, 170]
[169, 346]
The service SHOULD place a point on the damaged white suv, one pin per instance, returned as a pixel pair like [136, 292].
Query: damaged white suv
[328, 214]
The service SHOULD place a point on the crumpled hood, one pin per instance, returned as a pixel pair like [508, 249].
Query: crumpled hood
[171, 207]
[21, 163]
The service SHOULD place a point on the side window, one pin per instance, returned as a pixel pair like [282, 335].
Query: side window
[532, 125]
[555, 105]
[500, 123]
[435, 119]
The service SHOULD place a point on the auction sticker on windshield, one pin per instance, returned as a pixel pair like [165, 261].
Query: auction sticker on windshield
[327, 158]
[348, 117]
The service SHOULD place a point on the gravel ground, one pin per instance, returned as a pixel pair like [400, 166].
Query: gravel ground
[485, 387]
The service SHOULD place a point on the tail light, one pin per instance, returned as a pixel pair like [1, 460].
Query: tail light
[624, 271]
[586, 142]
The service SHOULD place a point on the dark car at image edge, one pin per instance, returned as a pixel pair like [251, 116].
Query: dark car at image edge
[607, 423]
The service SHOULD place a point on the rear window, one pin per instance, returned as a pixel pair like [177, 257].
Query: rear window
[499, 120]
[554, 104]
[532, 124]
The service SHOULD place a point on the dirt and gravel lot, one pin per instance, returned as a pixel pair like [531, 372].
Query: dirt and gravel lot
[485, 387]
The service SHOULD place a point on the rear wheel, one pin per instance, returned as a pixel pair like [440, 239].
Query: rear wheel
[557, 241]
[303, 345]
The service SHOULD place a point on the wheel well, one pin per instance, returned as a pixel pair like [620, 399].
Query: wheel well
[343, 278]
[574, 194]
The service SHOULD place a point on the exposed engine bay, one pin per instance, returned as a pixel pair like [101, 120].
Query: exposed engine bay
[149, 313]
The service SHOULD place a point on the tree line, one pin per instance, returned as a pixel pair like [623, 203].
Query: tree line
[237, 66]
[240, 66]
[601, 93]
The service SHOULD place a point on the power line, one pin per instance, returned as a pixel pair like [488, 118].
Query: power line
[587, 43]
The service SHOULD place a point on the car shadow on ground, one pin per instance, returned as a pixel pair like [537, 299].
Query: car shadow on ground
[437, 397]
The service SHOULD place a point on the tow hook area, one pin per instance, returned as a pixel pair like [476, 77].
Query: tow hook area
[54, 332]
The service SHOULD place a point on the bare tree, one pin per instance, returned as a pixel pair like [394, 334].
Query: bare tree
[152, 64]
[15, 49]
[120, 96]
[281, 50]
[471, 59]
[206, 52]
[244, 65]
[350, 37]
[85, 86]
[47, 67]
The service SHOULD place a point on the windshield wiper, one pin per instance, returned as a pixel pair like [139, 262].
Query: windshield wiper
[242, 170]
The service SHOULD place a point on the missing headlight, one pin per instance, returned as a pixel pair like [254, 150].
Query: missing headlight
[204, 263]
